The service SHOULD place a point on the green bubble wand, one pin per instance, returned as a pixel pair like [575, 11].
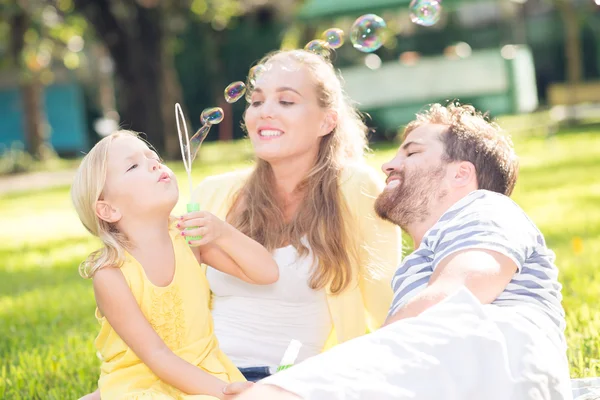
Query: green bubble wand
[290, 355]
[189, 149]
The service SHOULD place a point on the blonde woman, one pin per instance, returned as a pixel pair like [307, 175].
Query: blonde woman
[156, 335]
[309, 200]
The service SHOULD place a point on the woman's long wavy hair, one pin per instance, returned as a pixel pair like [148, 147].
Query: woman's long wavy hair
[323, 215]
[85, 192]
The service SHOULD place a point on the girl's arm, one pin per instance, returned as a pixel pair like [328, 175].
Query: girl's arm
[230, 251]
[118, 305]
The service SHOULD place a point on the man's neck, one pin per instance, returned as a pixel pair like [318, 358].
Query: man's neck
[418, 230]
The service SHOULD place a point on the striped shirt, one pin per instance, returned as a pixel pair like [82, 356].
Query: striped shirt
[488, 220]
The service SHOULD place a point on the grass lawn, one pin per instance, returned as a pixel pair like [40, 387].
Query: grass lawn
[47, 325]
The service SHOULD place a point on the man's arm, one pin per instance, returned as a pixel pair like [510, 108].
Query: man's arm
[486, 273]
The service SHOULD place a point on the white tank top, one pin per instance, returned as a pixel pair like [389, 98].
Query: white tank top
[254, 324]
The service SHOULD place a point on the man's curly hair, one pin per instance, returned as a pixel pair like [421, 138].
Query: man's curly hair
[471, 136]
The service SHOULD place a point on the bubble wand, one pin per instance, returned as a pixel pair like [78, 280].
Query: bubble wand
[190, 148]
[290, 355]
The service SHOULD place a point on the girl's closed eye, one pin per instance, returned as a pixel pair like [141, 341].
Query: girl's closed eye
[132, 167]
[286, 103]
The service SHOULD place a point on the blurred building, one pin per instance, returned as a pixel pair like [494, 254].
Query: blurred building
[501, 55]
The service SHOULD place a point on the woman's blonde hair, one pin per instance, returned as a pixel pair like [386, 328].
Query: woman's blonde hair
[86, 190]
[323, 215]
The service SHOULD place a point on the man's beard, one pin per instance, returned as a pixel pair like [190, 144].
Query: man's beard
[412, 199]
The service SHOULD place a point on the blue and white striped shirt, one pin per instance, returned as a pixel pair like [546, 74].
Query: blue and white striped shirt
[488, 220]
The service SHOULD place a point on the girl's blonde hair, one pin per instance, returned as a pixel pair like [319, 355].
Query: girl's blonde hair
[323, 215]
[86, 190]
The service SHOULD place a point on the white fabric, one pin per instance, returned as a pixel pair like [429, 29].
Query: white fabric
[491, 221]
[255, 323]
[586, 388]
[456, 350]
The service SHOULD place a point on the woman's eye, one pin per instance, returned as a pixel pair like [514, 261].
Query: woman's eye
[286, 103]
[256, 103]
[410, 154]
[132, 167]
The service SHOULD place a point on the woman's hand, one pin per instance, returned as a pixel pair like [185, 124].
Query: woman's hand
[204, 224]
[92, 396]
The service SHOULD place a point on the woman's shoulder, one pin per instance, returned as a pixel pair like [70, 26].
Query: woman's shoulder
[223, 182]
[216, 190]
[360, 175]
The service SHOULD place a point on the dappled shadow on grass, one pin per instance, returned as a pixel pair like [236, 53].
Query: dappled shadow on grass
[27, 194]
[41, 315]
[554, 176]
[47, 343]
[31, 267]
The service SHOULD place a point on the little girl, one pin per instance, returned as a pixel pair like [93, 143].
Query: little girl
[156, 339]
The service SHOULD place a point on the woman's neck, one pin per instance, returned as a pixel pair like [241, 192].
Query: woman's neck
[288, 174]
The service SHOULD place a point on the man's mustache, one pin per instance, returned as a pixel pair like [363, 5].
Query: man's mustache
[394, 174]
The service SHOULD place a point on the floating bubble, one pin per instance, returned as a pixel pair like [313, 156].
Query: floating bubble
[255, 73]
[212, 116]
[319, 47]
[368, 33]
[196, 141]
[425, 12]
[235, 91]
[334, 37]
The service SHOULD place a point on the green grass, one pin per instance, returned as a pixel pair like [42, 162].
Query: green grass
[47, 321]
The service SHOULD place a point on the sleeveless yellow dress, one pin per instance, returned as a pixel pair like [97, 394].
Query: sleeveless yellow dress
[180, 314]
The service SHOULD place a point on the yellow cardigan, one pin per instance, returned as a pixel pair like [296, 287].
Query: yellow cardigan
[363, 305]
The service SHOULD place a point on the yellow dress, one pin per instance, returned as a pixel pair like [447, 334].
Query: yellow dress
[180, 314]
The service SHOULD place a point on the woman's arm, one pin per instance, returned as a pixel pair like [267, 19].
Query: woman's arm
[230, 251]
[117, 304]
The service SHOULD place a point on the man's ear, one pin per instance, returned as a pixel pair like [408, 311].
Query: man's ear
[330, 123]
[465, 174]
[106, 212]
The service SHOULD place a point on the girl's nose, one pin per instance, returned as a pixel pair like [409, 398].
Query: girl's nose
[154, 164]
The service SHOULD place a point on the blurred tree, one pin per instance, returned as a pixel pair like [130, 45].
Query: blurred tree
[24, 62]
[141, 37]
[573, 53]
[134, 34]
[37, 35]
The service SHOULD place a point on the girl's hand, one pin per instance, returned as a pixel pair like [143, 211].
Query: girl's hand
[204, 224]
[232, 390]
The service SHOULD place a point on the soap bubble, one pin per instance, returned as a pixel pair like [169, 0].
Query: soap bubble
[334, 37]
[255, 73]
[425, 12]
[368, 32]
[196, 141]
[212, 116]
[235, 91]
[319, 47]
